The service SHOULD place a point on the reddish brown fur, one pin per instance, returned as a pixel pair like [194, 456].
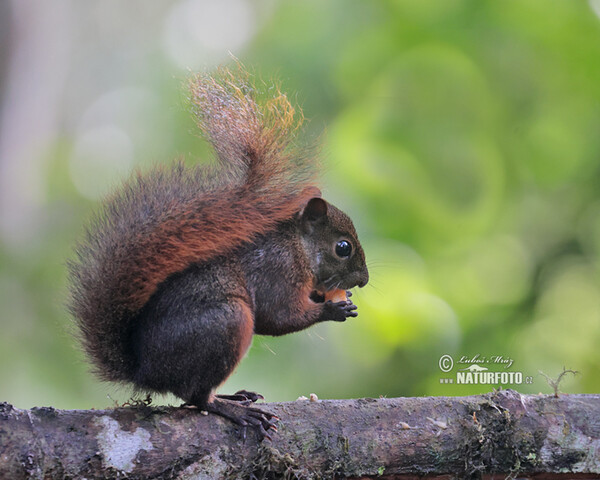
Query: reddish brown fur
[160, 222]
[186, 238]
[247, 333]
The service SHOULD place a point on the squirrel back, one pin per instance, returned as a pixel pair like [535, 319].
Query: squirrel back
[161, 222]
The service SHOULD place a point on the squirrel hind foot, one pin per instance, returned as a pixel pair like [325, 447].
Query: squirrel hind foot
[262, 422]
[243, 397]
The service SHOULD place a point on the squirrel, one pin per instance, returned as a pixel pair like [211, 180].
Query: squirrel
[183, 265]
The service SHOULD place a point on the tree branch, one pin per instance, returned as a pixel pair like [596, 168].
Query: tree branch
[468, 437]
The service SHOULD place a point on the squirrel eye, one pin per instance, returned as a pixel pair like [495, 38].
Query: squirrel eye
[343, 249]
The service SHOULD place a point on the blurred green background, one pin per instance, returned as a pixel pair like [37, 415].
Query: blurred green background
[462, 136]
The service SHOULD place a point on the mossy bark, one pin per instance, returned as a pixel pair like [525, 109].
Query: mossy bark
[502, 433]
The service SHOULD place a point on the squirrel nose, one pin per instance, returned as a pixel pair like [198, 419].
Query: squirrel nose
[364, 279]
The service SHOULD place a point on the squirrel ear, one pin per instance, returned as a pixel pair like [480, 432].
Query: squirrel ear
[315, 210]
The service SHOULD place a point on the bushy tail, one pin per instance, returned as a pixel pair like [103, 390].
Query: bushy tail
[159, 223]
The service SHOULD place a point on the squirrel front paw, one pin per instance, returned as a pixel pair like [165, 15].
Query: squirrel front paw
[339, 311]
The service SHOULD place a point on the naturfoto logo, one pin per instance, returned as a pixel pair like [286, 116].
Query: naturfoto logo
[476, 370]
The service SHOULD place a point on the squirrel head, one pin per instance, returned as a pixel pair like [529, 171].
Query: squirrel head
[331, 243]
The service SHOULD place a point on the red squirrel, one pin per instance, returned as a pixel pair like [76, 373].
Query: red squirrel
[183, 265]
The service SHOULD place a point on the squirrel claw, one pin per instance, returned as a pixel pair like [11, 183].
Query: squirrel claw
[244, 416]
[263, 422]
